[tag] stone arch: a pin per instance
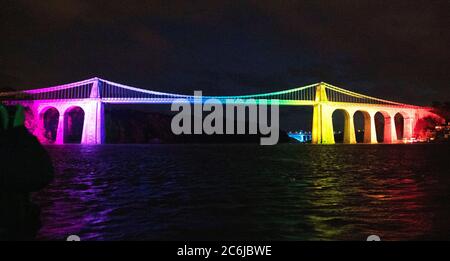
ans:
(31, 119)
(403, 125)
(367, 125)
(74, 117)
(348, 128)
(387, 128)
(48, 124)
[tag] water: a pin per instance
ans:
(248, 192)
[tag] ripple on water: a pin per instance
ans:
(286, 192)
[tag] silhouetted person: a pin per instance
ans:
(25, 167)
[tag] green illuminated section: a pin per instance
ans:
(264, 94)
(269, 102)
(3, 117)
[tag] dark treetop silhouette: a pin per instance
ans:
(25, 168)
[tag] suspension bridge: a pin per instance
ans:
(91, 95)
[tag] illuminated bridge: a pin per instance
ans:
(91, 95)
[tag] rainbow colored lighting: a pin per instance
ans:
(91, 95)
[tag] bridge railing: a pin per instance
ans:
(336, 94)
(116, 92)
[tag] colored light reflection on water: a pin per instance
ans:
(284, 192)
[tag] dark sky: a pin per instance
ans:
(396, 50)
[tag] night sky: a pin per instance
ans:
(396, 50)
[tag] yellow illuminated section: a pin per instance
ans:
(322, 130)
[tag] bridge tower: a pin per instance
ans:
(94, 122)
(322, 129)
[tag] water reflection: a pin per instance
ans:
(247, 192)
(380, 197)
(76, 193)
